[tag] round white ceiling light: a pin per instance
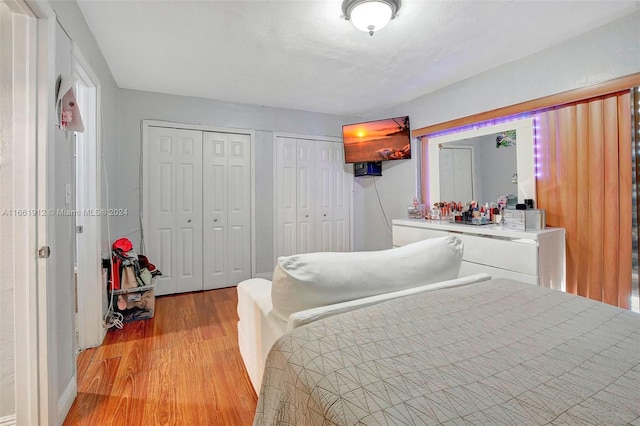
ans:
(370, 15)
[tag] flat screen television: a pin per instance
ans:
(380, 140)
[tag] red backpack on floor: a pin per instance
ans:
(120, 249)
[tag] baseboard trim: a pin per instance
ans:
(66, 399)
(9, 420)
(265, 275)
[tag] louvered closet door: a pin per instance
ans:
(174, 238)
(226, 207)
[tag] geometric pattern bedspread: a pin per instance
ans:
(497, 352)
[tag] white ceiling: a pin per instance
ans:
(302, 54)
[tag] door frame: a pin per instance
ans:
(90, 289)
(333, 139)
(33, 384)
(144, 161)
(25, 144)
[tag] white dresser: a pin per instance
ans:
(535, 257)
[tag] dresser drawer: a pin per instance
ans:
(513, 255)
(469, 268)
(403, 235)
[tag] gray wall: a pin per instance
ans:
(604, 54)
(61, 238)
(61, 230)
(493, 168)
(496, 167)
(72, 20)
(379, 200)
(135, 106)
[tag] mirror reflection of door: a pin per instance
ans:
(492, 173)
(456, 174)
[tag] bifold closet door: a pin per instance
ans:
(342, 178)
(174, 240)
(296, 210)
(312, 203)
(306, 197)
(226, 209)
(325, 190)
(331, 198)
(286, 207)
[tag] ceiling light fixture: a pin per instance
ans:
(370, 15)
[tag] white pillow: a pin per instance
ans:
(305, 281)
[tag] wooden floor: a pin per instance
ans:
(182, 367)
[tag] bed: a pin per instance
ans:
(308, 287)
(491, 352)
(259, 327)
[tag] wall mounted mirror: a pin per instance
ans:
(482, 163)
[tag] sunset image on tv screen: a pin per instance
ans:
(377, 140)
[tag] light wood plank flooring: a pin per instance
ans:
(182, 367)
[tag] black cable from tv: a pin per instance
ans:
(386, 221)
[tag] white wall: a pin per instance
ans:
(135, 106)
(72, 27)
(601, 55)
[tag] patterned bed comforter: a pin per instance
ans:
(498, 352)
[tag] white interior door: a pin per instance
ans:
(341, 200)
(312, 197)
(214, 194)
(226, 207)
(30, 350)
(175, 208)
(285, 200)
(305, 212)
(20, 321)
(446, 175)
(456, 175)
(324, 195)
(239, 209)
(462, 176)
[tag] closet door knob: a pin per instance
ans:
(325, 215)
(215, 220)
(188, 220)
(306, 215)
